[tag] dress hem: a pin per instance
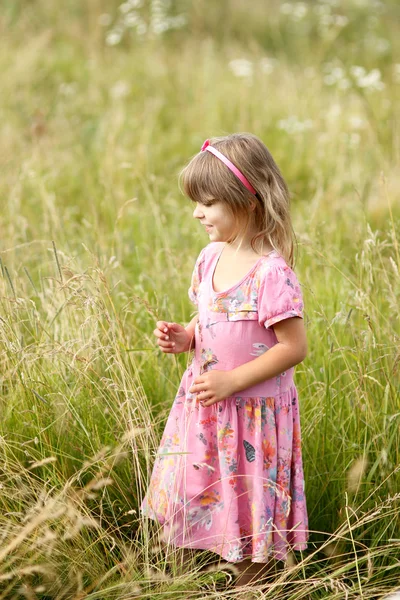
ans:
(279, 555)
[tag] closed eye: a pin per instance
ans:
(209, 202)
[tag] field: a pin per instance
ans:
(101, 105)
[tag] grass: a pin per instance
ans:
(97, 243)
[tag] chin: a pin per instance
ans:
(215, 235)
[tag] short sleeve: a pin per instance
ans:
(279, 296)
(196, 278)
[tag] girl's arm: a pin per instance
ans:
(290, 350)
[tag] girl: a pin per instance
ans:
(228, 476)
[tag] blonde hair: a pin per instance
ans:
(206, 180)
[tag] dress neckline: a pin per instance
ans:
(234, 286)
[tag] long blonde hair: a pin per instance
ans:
(206, 179)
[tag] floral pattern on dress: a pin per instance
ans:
(208, 360)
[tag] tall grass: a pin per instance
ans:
(97, 243)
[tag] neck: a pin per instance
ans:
(243, 245)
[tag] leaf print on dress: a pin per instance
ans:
(180, 394)
(202, 438)
(209, 504)
(278, 378)
(250, 451)
(259, 349)
(209, 327)
(224, 436)
(269, 452)
(208, 360)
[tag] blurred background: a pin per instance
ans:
(101, 104)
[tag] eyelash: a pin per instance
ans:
(208, 203)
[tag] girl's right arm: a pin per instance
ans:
(172, 338)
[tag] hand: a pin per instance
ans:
(212, 387)
(172, 337)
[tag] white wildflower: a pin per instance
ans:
(178, 21)
(268, 65)
(293, 125)
(340, 20)
(335, 75)
(357, 71)
(132, 19)
(125, 7)
(371, 80)
(113, 38)
(297, 10)
(300, 10)
(158, 25)
(67, 89)
(356, 122)
(241, 67)
(120, 89)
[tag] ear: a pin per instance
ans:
(252, 206)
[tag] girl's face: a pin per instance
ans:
(217, 220)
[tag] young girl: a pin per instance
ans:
(228, 475)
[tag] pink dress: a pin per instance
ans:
(229, 477)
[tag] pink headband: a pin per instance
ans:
(231, 166)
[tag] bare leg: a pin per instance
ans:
(252, 573)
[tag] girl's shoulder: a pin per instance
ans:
(210, 251)
(272, 260)
(274, 265)
(213, 248)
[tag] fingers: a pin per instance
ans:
(208, 402)
(163, 339)
(162, 326)
(166, 346)
(198, 387)
(202, 392)
(204, 396)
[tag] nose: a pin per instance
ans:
(198, 213)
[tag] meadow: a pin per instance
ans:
(101, 105)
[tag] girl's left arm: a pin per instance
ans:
(290, 350)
